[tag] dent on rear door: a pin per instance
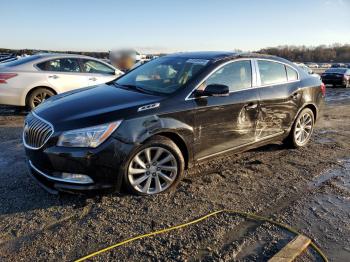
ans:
(278, 106)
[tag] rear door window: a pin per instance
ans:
(236, 75)
(272, 72)
(60, 65)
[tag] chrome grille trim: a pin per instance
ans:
(37, 131)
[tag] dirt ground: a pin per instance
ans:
(308, 189)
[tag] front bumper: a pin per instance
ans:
(104, 165)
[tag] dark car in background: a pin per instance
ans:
(338, 65)
(337, 77)
(144, 129)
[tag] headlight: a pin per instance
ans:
(87, 137)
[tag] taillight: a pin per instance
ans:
(323, 89)
(6, 76)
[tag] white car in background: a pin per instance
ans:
(326, 65)
(312, 65)
(30, 80)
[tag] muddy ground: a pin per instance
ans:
(308, 189)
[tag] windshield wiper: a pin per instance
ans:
(137, 88)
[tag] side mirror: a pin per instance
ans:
(213, 90)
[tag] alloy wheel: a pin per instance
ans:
(40, 97)
(152, 170)
(303, 128)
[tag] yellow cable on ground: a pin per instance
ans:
(247, 215)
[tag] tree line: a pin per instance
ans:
(334, 53)
(319, 54)
(33, 51)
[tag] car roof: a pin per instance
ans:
(224, 55)
(48, 55)
(28, 61)
(209, 55)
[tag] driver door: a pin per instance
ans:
(227, 122)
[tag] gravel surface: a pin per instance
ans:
(308, 189)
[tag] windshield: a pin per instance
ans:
(163, 75)
(336, 70)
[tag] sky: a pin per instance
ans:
(172, 25)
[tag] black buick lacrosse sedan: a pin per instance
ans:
(141, 131)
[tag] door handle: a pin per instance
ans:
(93, 78)
(251, 106)
(54, 76)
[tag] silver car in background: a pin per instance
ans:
(308, 70)
(29, 81)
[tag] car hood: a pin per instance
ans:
(92, 106)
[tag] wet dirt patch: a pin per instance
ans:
(325, 213)
(337, 95)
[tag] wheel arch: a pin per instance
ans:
(313, 109)
(179, 141)
(35, 88)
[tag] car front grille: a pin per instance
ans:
(36, 131)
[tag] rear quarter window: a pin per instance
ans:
(272, 72)
(292, 74)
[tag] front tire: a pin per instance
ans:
(155, 167)
(302, 129)
(38, 96)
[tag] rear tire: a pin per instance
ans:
(155, 167)
(302, 129)
(38, 96)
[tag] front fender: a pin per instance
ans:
(138, 130)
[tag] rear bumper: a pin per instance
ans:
(333, 81)
(10, 96)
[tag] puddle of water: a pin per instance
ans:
(337, 94)
(343, 169)
(254, 249)
(325, 131)
(325, 140)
